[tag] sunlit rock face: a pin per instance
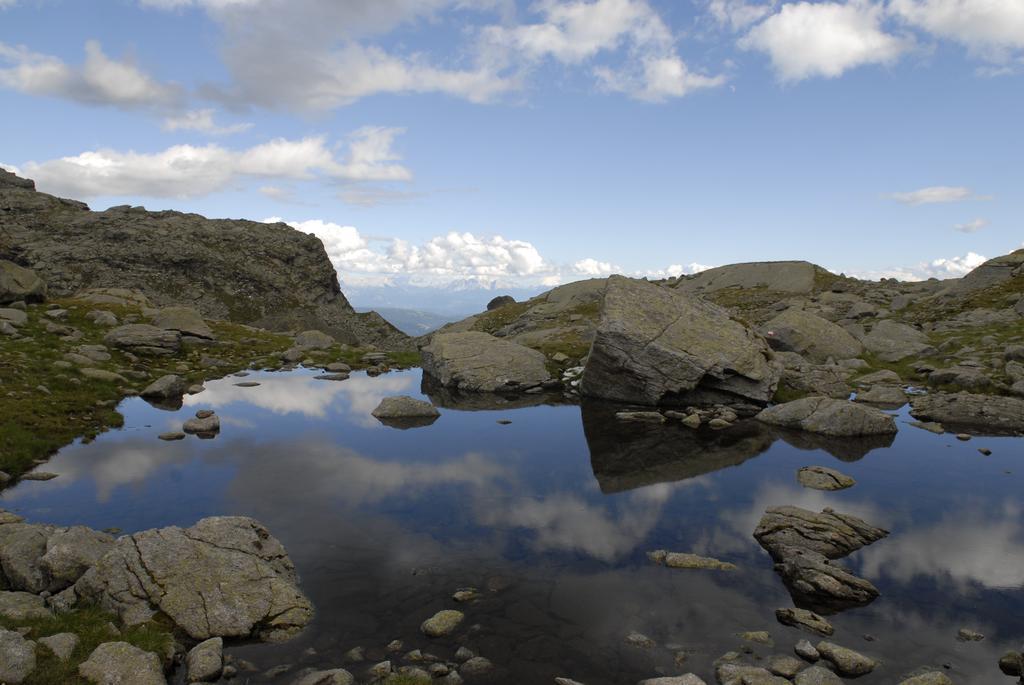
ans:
(657, 345)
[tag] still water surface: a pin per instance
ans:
(555, 512)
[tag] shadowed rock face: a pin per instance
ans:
(655, 345)
(628, 455)
(266, 275)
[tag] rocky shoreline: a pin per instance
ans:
(727, 357)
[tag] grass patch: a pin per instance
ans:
(93, 627)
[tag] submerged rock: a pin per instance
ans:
(846, 661)
(803, 543)
(226, 576)
(656, 345)
(929, 678)
(478, 362)
(442, 623)
(688, 561)
(826, 416)
(803, 618)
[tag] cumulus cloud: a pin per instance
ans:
(943, 267)
(100, 80)
(573, 33)
(825, 39)
(936, 195)
(202, 120)
(189, 171)
(454, 257)
(971, 226)
(992, 29)
(739, 14)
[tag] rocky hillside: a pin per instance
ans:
(265, 275)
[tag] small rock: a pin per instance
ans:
(170, 437)
(985, 451)
(478, 665)
(463, 654)
(761, 637)
(686, 560)
(354, 655)
(968, 635)
(61, 644)
(336, 676)
(17, 657)
(817, 675)
(1012, 664)
(119, 662)
(846, 661)
(640, 416)
(442, 623)
(640, 640)
(247, 384)
(688, 679)
(404, 407)
(718, 424)
(806, 651)
(206, 660)
(822, 478)
(206, 426)
(804, 619)
(466, 594)
(165, 388)
(38, 475)
(964, 437)
(929, 678)
(785, 666)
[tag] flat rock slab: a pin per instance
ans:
(802, 618)
(823, 478)
(404, 407)
(226, 576)
(113, 663)
(686, 560)
(656, 345)
(978, 413)
(478, 362)
(185, 320)
(826, 416)
(846, 661)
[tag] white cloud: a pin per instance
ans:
(453, 257)
(739, 14)
(993, 29)
(188, 171)
(202, 120)
(937, 194)
(971, 226)
(807, 39)
(577, 31)
(943, 267)
(99, 81)
(4, 4)
(11, 168)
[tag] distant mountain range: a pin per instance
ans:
(451, 302)
(412, 322)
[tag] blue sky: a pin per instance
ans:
(439, 142)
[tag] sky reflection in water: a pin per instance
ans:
(384, 524)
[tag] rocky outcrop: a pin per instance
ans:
(787, 277)
(827, 416)
(223, 577)
(18, 283)
(658, 346)
(803, 543)
(972, 413)
(477, 362)
(39, 558)
(992, 273)
(267, 275)
(892, 341)
(811, 336)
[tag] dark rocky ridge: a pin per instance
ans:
(266, 275)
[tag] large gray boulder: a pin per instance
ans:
(804, 378)
(225, 576)
(656, 345)
(167, 387)
(37, 558)
(143, 338)
(981, 413)
(478, 362)
(184, 320)
(17, 657)
(19, 283)
(21, 606)
(892, 341)
(818, 339)
(827, 416)
(788, 277)
(120, 663)
(804, 544)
